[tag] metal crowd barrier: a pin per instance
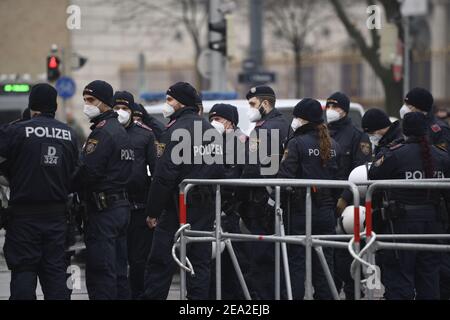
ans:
(184, 235)
(374, 245)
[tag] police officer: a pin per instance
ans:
(141, 115)
(310, 154)
(184, 133)
(356, 151)
(270, 128)
(438, 131)
(421, 100)
(225, 119)
(382, 132)
(41, 154)
(409, 274)
(139, 235)
(106, 167)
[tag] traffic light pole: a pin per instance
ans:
(218, 61)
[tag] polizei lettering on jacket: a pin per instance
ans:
(45, 132)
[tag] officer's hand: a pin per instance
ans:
(152, 223)
(340, 207)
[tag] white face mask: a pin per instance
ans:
(124, 116)
(91, 111)
(168, 110)
(404, 111)
(375, 139)
(254, 115)
(296, 124)
(219, 126)
(333, 116)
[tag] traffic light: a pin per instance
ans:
(53, 65)
(226, 43)
(219, 45)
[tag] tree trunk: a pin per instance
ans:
(198, 77)
(298, 73)
(393, 95)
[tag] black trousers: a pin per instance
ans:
(106, 254)
(139, 243)
(160, 265)
(35, 247)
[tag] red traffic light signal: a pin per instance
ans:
(53, 72)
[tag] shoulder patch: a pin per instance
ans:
(160, 147)
(243, 138)
(260, 124)
(365, 148)
(253, 145)
(90, 146)
(140, 124)
(436, 128)
(101, 124)
(171, 123)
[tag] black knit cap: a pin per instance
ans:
(340, 100)
(101, 90)
(226, 111)
(310, 110)
(415, 124)
(137, 110)
(375, 119)
(123, 98)
(261, 91)
(420, 98)
(185, 94)
(43, 98)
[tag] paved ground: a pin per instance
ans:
(81, 293)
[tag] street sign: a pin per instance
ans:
(66, 87)
(257, 77)
(412, 8)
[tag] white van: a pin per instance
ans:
(286, 107)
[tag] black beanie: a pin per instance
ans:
(184, 93)
(43, 98)
(101, 90)
(415, 124)
(225, 111)
(310, 110)
(340, 100)
(375, 119)
(123, 98)
(137, 110)
(420, 98)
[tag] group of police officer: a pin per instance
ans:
(131, 165)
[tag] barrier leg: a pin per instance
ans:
(287, 274)
(182, 271)
(326, 270)
(277, 245)
(218, 244)
(308, 253)
(183, 221)
(237, 268)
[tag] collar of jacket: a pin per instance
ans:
(394, 133)
(272, 114)
(179, 113)
(307, 128)
(105, 115)
(413, 139)
(346, 121)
